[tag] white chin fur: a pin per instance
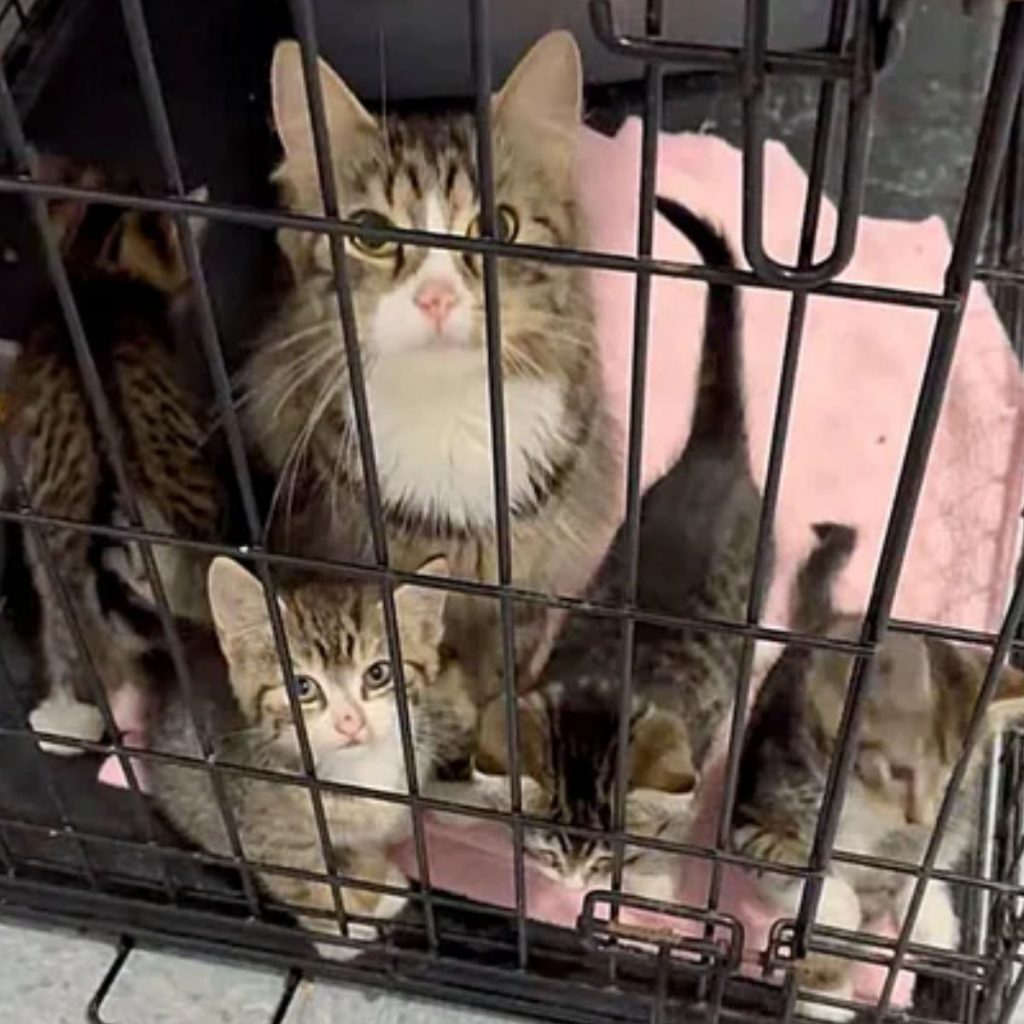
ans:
(431, 425)
(68, 717)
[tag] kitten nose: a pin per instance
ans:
(436, 298)
(350, 725)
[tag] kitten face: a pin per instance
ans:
(915, 720)
(421, 173)
(344, 679)
(569, 747)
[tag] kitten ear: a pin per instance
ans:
(541, 102)
(237, 601)
(492, 740)
(660, 754)
(344, 113)
(422, 608)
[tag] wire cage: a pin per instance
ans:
(69, 855)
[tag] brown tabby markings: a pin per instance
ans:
(915, 723)
(334, 630)
(124, 269)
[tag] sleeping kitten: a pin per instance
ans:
(420, 315)
(697, 535)
(913, 730)
(127, 273)
(344, 683)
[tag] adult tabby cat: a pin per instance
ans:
(420, 314)
(336, 638)
(126, 272)
(914, 727)
(697, 534)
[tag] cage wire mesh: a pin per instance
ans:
(51, 867)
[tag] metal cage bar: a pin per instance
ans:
(480, 21)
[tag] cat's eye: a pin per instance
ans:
(377, 677)
(375, 248)
(506, 226)
(601, 866)
(548, 858)
(307, 689)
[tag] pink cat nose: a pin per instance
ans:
(436, 298)
(350, 725)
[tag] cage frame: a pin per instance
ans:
(851, 59)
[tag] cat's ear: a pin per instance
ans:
(422, 608)
(660, 754)
(541, 102)
(492, 740)
(66, 215)
(147, 245)
(237, 600)
(345, 115)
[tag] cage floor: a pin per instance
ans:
(212, 58)
(49, 976)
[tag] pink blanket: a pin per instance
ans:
(860, 369)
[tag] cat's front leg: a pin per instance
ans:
(839, 907)
(936, 924)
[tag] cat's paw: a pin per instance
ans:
(828, 977)
(66, 716)
(937, 924)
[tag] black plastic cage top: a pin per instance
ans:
(73, 853)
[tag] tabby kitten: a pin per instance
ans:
(344, 683)
(420, 315)
(697, 536)
(915, 722)
(127, 274)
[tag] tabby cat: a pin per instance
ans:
(344, 684)
(420, 314)
(697, 535)
(913, 730)
(127, 274)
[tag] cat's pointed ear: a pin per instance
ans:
(237, 600)
(541, 102)
(345, 115)
(660, 754)
(422, 608)
(492, 741)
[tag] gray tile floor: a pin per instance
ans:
(47, 977)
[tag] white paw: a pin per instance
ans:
(937, 923)
(824, 1011)
(657, 882)
(819, 1011)
(391, 904)
(67, 717)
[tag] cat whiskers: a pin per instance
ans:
(299, 448)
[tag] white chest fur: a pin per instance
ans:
(430, 416)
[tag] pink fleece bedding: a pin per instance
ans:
(860, 369)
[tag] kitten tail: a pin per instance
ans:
(718, 408)
(811, 605)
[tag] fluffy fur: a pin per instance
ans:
(338, 647)
(697, 534)
(127, 273)
(424, 359)
(913, 730)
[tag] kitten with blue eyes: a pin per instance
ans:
(421, 326)
(346, 691)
